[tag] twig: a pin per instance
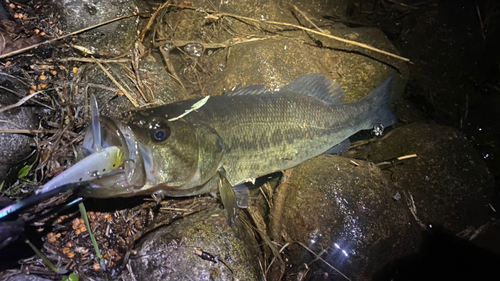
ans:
(92, 60)
(20, 96)
(127, 94)
(269, 204)
(27, 131)
(363, 142)
(11, 123)
(405, 5)
(20, 102)
(267, 241)
(480, 230)
(165, 49)
(318, 257)
(78, 138)
(480, 21)
(152, 19)
(174, 209)
(394, 161)
(275, 225)
(217, 45)
(413, 209)
(131, 273)
(274, 258)
(407, 156)
(22, 50)
(310, 21)
(262, 269)
(14, 77)
(136, 56)
(365, 46)
(131, 75)
(135, 78)
(464, 117)
(321, 259)
(170, 66)
(323, 34)
(492, 208)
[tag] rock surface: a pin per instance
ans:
(168, 253)
(449, 181)
(154, 77)
(15, 149)
(108, 40)
(248, 55)
(328, 203)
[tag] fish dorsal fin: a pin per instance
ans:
(318, 86)
(249, 90)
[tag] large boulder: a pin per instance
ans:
(170, 253)
(349, 210)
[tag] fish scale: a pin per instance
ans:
(273, 132)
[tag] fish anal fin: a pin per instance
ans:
(242, 195)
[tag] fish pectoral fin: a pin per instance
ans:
(342, 147)
(228, 197)
(242, 195)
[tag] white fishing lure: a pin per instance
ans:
(91, 167)
(102, 161)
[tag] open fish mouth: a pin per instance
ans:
(131, 174)
(110, 158)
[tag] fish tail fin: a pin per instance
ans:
(379, 109)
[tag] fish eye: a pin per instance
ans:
(160, 134)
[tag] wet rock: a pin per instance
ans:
(228, 60)
(317, 9)
(328, 203)
(449, 181)
(15, 149)
(156, 82)
(111, 39)
(444, 257)
(168, 253)
(277, 62)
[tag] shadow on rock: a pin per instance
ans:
(449, 182)
(444, 257)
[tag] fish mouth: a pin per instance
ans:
(111, 160)
(128, 178)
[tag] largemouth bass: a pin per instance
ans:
(196, 146)
(248, 132)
